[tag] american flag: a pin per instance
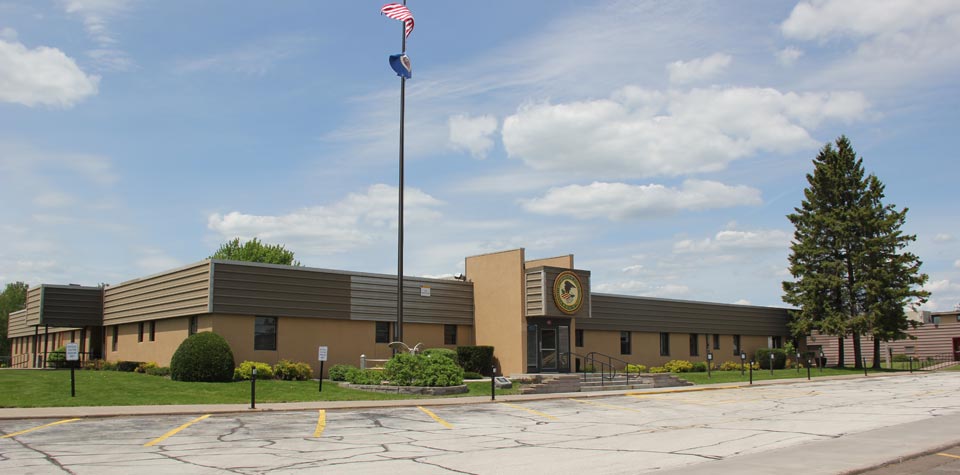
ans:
(401, 13)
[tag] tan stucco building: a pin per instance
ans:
(539, 315)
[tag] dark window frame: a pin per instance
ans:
(626, 343)
(263, 339)
(736, 345)
(578, 338)
(153, 330)
(449, 334)
(664, 344)
(115, 337)
(382, 332)
(716, 341)
(694, 344)
(139, 332)
(192, 325)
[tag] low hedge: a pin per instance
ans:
(290, 371)
(405, 369)
(779, 358)
(244, 372)
(339, 372)
(365, 376)
(128, 366)
(478, 359)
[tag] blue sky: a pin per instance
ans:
(662, 143)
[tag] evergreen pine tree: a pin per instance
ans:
(851, 276)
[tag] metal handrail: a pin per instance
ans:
(610, 359)
(603, 372)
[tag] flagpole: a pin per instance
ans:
(403, 86)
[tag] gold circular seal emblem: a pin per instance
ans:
(568, 292)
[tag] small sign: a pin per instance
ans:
(502, 382)
(73, 352)
(322, 354)
(710, 356)
(424, 291)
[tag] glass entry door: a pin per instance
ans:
(548, 341)
(548, 349)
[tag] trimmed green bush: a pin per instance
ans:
(339, 372)
(58, 358)
(128, 366)
(159, 371)
(658, 369)
(636, 368)
(478, 359)
(204, 356)
(699, 367)
(472, 375)
(244, 372)
(447, 352)
(290, 371)
(779, 358)
(143, 367)
(365, 376)
(405, 369)
(679, 366)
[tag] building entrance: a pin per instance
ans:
(956, 349)
(548, 345)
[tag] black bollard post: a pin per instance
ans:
(772, 356)
(751, 372)
(493, 383)
(864, 360)
(253, 389)
(73, 382)
(808, 370)
(743, 360)
(321, 377)
(911, 364)
(798, 363)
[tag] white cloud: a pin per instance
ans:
(742, 302)
(256, 58)
(354, 221)
(637, 287)
(943, 237)
(633, 269)
(696, 70)
(620, 201)
(641, 133)
(473, 134)
(956, 263)
(42, 76)
(897, 42)
(789, 55)
(96, 15)
(8, 34)
(732, 239)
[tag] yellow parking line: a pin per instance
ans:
(609, 406)
(532, 411)
(174, 431)
(950, 455)
(321, 423)
(39, 427)
(434, 416)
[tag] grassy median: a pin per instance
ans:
(764, 374)
(51, 388)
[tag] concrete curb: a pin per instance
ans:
(159, 410)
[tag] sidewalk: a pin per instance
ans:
(115, 411)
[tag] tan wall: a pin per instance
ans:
(565, 262)
(498, 306)
(170, 332)
(299, 338)
(646, 347)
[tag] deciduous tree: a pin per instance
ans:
(255, 251)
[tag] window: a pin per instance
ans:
(578, 338)
(664, 344)
(73, 335)
(776, 342)
(192, 326)
(114, 338)
(153, 330)
(716, 341)
(694, 345)
(736, 345)
(265, 334)
(383, 332)
(625, 345)
(449, 334)
(140, 332)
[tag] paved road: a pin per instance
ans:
(808, 427)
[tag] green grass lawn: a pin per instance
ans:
(759, 375)
(51, 388)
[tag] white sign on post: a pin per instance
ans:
(424, 291)
(322, 354)
(73, 352)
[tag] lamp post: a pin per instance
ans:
(709, 363)
(743, 360)
(798, 362)
(821, 361)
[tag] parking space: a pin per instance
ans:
(619, 434)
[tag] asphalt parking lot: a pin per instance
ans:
(813, 427)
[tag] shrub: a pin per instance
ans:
(290, 371)
(244, 372)
(365, 376)
(93, 364)
(730, 366)
(405, 369)
(143, 367)
(108, 366)
(779, 358)
(472, 375)
(478, 359)
(128, 366)
(678, 366)
(58, 357)
(339, 372)
(699, 367)
(158, 371)
(204, 356)
(447, 352)
(636, 368)
(658, 369)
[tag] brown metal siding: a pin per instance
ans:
(245, 289)
(284, 291)
(72, 306)
(626, 313)
(34, 299)
(17, 324)
(534, 293)
(180, 292)
(930, 341)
